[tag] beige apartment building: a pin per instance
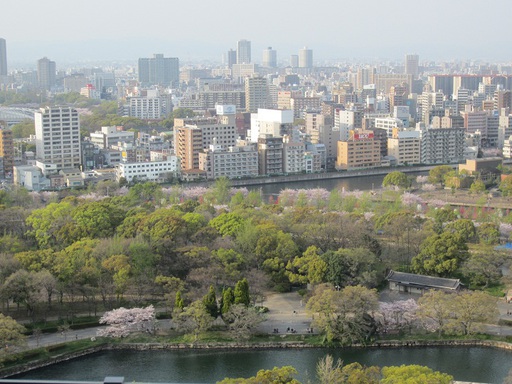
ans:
(192, 136)
(405, 147)
(361, 150)
(233, 162)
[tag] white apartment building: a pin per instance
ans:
(507, 148)
(58, 136)
(270, 122)
(389, 124)
(109, 136)
(150, 107)
(157, 171)
(233, 162)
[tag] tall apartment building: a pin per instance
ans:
(412, 65)
(6, 151)
(192, 136)
(305, 58)
(256, 94)
(58, 137)
(441, 145)
(269, 58)
(271, 122)
(159, 70)
(320, 129)
(293, 155)
(364, 77)
(361, 150)
(3, 58)
(46, 73)
(243, 52)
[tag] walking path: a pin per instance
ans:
(286, 311)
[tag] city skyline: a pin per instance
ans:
(117, 30)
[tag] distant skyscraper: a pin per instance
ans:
(243, 52)
(46, 73)
(159, 70)
(412, 65)
(3, 58)
(270, 58)
(231, 58)
(294, 61)
(305, 58)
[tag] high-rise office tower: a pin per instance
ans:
(243, 52)
(269, 58)
(294, 61)
(3, 58)
(305, 58)
(231, 58)
(159, 70)
(412, 65)
(58, 136)
(256, 94)
(46, 73)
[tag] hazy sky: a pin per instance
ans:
(71, 30)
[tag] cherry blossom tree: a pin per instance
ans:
(410, 199)
(397, 315)
(122, 321)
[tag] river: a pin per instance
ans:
(478, 364)
(362, 183)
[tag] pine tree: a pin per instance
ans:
(242, 292)
(228, 299)
(210, 302)
(178, 302)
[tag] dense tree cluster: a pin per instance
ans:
(190, 249)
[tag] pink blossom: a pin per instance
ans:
(410, 199)
(397, 315)
(421, 179)
(121, 322)
(428, 187)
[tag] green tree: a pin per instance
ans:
(477, 187)
(283, 375)
(437, 175)
(397, 179)
(472, 309)
(344, 315)
(210, 302)
(348, 266)
(179, 304)
(194, 319)
(413, 374)
(97, 219)
(464, 227)
(24, 129)
(228, 224)
(47, 224)
(11, 334)
(308, 268)
(506, 186)
(440, 255)
(485, 267)
(221, 190)
(241, 293)
(21, 287)
(242, 321)
(488, 233)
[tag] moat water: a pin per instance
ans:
(485, 365)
